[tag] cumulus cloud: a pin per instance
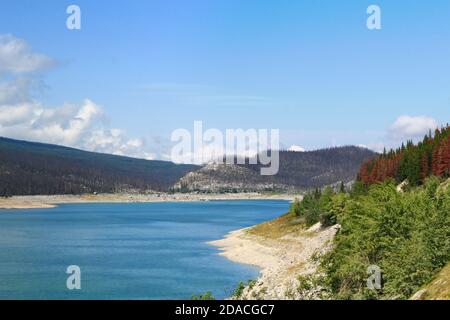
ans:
(296, 148)
(410, 127)
(404, 128)
(17, 57)
(79, 125)
(17, 90)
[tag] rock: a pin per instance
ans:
(315, 228)
(419, 295)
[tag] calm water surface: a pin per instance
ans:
(125, 251)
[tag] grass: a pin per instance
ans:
(439, 288)
(278, 227)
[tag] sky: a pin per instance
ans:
(138, 70)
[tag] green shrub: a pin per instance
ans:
(316, 207)
(239, 290)
(406, 234)
(206, 296)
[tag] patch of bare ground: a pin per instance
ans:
(284, 250)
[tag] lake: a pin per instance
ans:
(125, 251)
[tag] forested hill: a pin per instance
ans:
(297, 170)
(28, 168)
(413, 162)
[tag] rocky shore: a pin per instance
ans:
(282, 260)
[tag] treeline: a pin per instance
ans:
(297, 170)
(411, 162)
(28, 168)
(318, 168)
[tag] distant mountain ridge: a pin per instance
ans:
(298, 171)
(30, 168)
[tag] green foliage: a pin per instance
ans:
(305, 284)
(406, 234)
(251, 283)
(239, 290)
(206, 296)
(359, 189)
(316, 207)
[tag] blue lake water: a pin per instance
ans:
(125, 251)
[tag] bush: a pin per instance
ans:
(316, 207)
(206, 296)
(406, 234)
(239, 290)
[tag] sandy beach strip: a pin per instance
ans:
(44, 201)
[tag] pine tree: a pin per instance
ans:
(425, 167)
(447, 158)
(442, 160)
(435, 161)
(410, 161)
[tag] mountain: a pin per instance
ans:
(298, 171)
(28, 168)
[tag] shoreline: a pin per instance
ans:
(51, 201)
(280, 260)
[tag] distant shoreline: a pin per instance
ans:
(51, 201)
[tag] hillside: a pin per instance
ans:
(438, 289)
(298, 170)
(28, 168)
(413, 162)
(324, 247)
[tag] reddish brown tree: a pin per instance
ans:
(364, 172)
(435, 161)
(444, 157)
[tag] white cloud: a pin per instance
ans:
(410, 127)
(374, 146)
(296, 148)
(75, 125)
(17, 90)
(404, 128)
(17, 57)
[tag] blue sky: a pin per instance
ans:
(310, 68)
